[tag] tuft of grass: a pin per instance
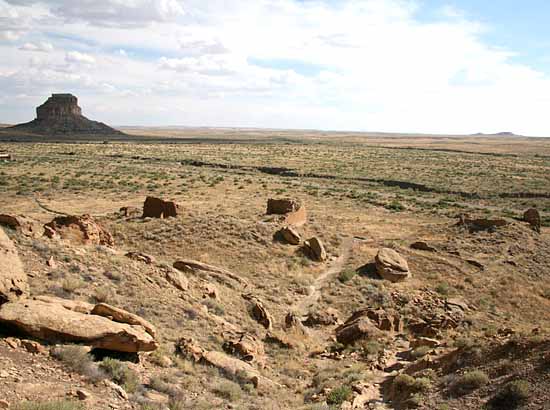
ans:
(227, 390)
(121, 374)
(339, 395)
(78, 359)
(469, 382)
(346, 275)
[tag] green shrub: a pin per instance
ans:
(228, 390)
(469, 382)
(511, 396)
(346, 275)
(339, 395)
(121, 374)
(78, 359)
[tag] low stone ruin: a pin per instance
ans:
(158, 208)
(293, 213)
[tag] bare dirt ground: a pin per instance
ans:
(361, 193)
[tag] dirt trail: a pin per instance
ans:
(314, 292)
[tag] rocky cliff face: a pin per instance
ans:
(59, 106)
(61, 115)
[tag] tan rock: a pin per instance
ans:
(33, 347)
(27, 226)
(81, 230)
(53, 322)
(195, 267)
(357, 327)
(259, 312)
(4, 404)
(13, 280)
(83, 395)
(122, 316)
(391, 266)
(289, 235)
(177, 279)
(325, 317)
(246, 347)
(74, 305)
(130, 211)
(141, 257)
(315, 249)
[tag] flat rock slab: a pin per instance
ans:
(53, 322)
(13, 280)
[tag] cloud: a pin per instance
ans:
(113, 13)
(79, 58)
(353, 64)
(41, 46)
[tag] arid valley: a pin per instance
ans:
(389, 272)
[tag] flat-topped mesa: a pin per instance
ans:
(59, 106)
(61, 115)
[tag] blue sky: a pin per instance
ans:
(432, 66)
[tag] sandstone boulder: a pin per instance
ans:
(532, 217)
(53, 323)
(259, 312)
(158, 208)
(315, 249)
(246, 347)
(385, 319)
(122, 316)
(13, 280)
(227, 364)
(391, 266)
(82, 230)
(289, 235)
(357, 327)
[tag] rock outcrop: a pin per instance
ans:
(13, 280)
(61, 115)
(82, 230)
(391, 266)
(231, 366)
(23, 224)
(481, 224)
(158, 208)
(53, 322)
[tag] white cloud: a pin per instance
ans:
(79, 58)
(353, 64)
(41, 46)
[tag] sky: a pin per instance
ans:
(416, 66)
